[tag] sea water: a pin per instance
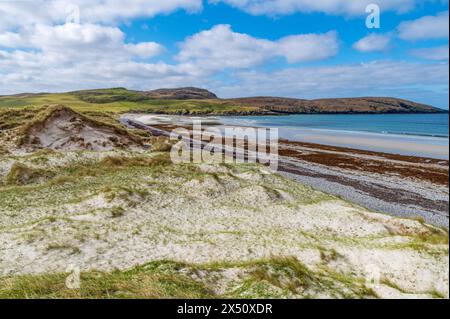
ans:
(407, 134)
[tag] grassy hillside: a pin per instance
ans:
(121, 100)
(176, 101)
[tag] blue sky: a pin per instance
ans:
(295, 48)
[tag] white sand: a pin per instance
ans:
(237, 214)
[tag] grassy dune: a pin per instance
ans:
(232, 230)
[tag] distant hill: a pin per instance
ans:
(196, 101)
(338, 105)
(188, 93)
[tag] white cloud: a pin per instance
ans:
(221, 48)
(110, 10)
(333, 7)
(145, 49)
(78, 41)
(76, 56)
(308, 47)
(438, 53)
(10, 40)
(26, 13)
(425, 28)
(373, 43)
(22, 71)
(71, 36)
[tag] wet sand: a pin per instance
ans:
(406, 145)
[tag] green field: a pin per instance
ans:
(122, 100)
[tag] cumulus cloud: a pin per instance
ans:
(26, 13)
(145, 49)
(373, 43)
(24, 71)
(10, 40)
(75, 56)
(70, 56)
(78, 42)
(440, 53)
(334, 7)
(425, 28)
(220, 48)
(308, 47)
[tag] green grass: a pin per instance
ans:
(135, 283)
(121, 101)
(23, 175)
(273, 278)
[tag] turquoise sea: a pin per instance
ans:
(408, 134)
(433, 125)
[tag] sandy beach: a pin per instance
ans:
(404, 145)
(399, 185)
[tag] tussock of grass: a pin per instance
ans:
(290, 275)
(434, 236)
(20, 174)
(286, 273)
(117, 212)
(329, 255)
(63, 179)
(12, 118)
(122, 161)
(73, 249)
(433, 293)
(3, 151)
(161, 144)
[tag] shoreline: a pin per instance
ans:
(397, 185)
(394, 143)
(411, 144)
(403, 186)
(275, 113)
